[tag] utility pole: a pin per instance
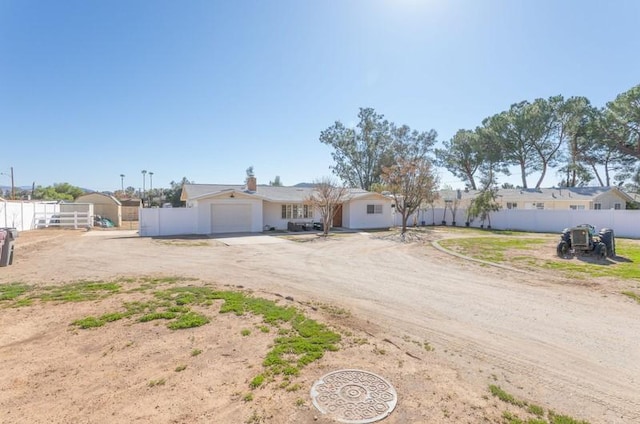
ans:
(13, 186)
(122, 183)
(150, 188)
(144, 182)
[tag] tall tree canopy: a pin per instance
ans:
(624, 115)
(359, 153)
(513, 131)
(60, 191)
(463, 156)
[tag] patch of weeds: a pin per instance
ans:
(563, 419)
(511, 418)
(196, 352)
(248, 397)
(299, 402)
(188, 320)
(535, 409)
(79, 292)
(360, 341)
(284, 384)
(293, 388)
(379, 351)
(22, 302)
(264, 329)
(159, 382)
(13, 290)
(632, 295)
(255, 418)
(257, 381)
(428, 347)
(245, 332)
(504, 396)
(180, 368)
(157, 315)
(89, 322)
(492, 249)
(113, 316)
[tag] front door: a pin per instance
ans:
(337, 216)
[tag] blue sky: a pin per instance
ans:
(90, 90)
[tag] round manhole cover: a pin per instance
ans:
(354, 396)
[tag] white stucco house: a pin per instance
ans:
(254, 208)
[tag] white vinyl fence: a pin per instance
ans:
(168, 221)
(28, 215)
(623, 222)
(182, 221)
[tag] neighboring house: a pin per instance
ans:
(254, 208)
(104, 205)
(567, 198)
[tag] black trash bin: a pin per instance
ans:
(6, 256)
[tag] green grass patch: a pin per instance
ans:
(512, 249)
(13, 290)
(79, 292)
(245, 332)
(564, 419)
(180, 368)
(492, 249)
(257, 381)
(196, 352)
(188, 320)
(511, 418)
(89, 322)
(302, 342)
(157, 315)
(504, 396)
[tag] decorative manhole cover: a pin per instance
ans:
(354, 396)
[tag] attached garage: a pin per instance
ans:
(231, 217)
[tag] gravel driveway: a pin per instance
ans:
(571, 347)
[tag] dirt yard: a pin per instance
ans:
(439, 328)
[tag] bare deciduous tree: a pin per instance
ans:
(412, 183)
(326, 197)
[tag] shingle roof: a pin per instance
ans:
(267, 192)
(542, 194)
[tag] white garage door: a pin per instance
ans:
(230, 218)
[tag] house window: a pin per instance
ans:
(597, 206)
(512, 205)
(576, 207)
(371, 209)
(538, 206)
(617, 206)
(297, 211)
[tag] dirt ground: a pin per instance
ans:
(439, 328)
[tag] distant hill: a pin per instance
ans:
(305, 185)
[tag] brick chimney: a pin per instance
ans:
(252, 183)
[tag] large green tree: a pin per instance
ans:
(514, 132)
(174, 193)
(463, 156)
(59, 191)
(359, 153)
(623, 114)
